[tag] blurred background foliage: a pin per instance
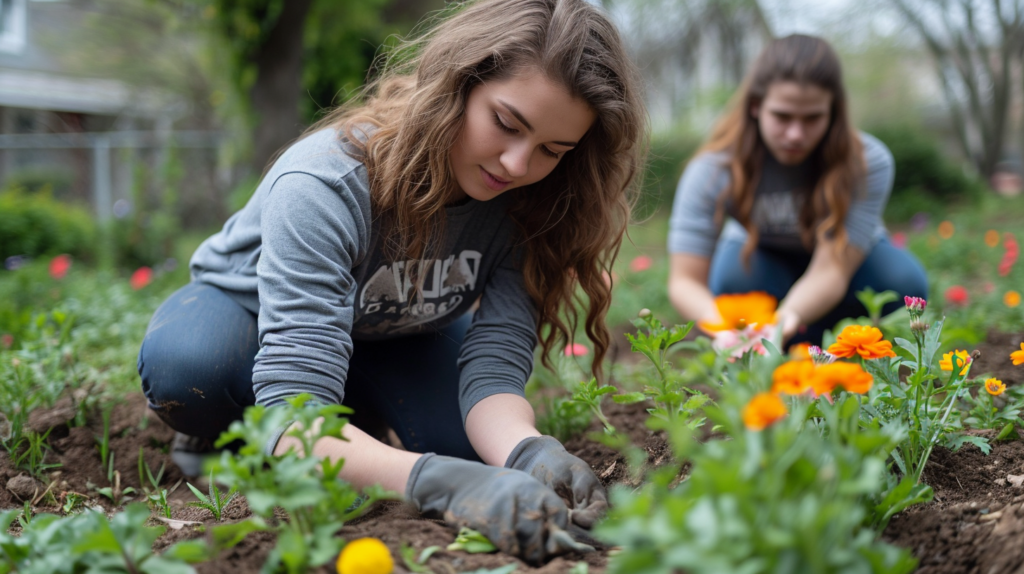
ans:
(260, 71)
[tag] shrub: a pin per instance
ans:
(35, 224)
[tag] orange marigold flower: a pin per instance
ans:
(849, 376)
(946, 364)
(763, 410)
(991, 238)
(800, 351)
(946, 229)
(1011, 298)
(739, 311)
(793, 377)
(994, 387)
(861, 340)
(1018, 356)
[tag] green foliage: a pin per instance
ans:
(216, 501)
(471, 541)
(89, 542)
(668, 156)
(36, 225)
(925, 180)
(563, 418)
(303, 486)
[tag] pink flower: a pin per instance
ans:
(738, 341)
(59, 266)
(6, 340)
(899, 239)
(988, 287)
(957, 295)
(141, 278)
(915, 303)
(640, 263)
(576, 350)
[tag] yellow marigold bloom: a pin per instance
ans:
(763, 410)
(793, 377)
(994, 387)
(365, 556)
(739, 311)
(849, 376)
(1018, 356)
(946, 364)
(946, 229)
(800, 351)
(991, 238)
(861, 340)
(1011, 298)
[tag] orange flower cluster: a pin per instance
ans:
(1018, 356)
(863, 341)
(798, 377)
(763, 410)
(994, 387)
(964, 359)
(739, 311)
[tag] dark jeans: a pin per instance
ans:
(775, 272)
(197, 358)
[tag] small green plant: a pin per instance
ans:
(588, 393)
(103, 445)
(73, 503)
(114, 492)
(416, 563)
(874, 302)
(563, 417)
(471, 541)
(216, 501)
(25, 518)
(303, 486)
(29, 454)
(982, 411)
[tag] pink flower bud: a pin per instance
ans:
(576, 350)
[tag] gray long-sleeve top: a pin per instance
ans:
(305, 253)
(693, 229)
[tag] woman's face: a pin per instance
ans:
(793, 118)
(516, 130)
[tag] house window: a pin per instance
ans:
(13, 15)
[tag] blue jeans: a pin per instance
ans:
(775, 272)
(197, 358)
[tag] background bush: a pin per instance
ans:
(668, 156)
(35, 224)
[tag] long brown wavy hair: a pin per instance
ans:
(838, 160)
(572, 222)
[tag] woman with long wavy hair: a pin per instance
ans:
(803, 194)
(405, 256)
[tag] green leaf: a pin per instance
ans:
(958, 441)
(506, 569)
(471, 541)
(629, 398)
(228, 535)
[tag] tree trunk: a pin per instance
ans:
(278, 87)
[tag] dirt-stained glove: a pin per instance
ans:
(517, 513)
(547, 460)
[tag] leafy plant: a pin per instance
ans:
(29, 454)
(471, 541)
(416, 563)
(299, 484)
(216, 501)
(588, 393)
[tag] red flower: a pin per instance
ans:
(59, 266)
(576, 350)
(640, 263)
(899, 239)
(7, 340)
(141, 278)
(957, 295)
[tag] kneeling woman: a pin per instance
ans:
(804, 194)
(498, 166)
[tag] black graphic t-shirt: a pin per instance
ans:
(306, 254)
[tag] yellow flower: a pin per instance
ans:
(946, 364)
(946, 229)
(1011, 298)
(763, 410)
(1018, 356)
(850, 376)
(863, 341)
(793, 377)
(994, 387)
(739, 311)
(991, 238)
(365, 556)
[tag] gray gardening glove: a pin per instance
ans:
(547, 460)
(519, 515)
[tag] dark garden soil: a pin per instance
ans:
(975, 524)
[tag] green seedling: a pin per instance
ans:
(874, 302)
(29, 454)
(216, 501)
(146, 478)
(471, 541)
(25, 518)
(103, 444)
(415, 563)
(114, 492)
(590, 394)
(73, 503)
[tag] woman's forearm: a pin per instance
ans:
(367, 460)
(692, 299)
(498, 423)
(815, 294)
